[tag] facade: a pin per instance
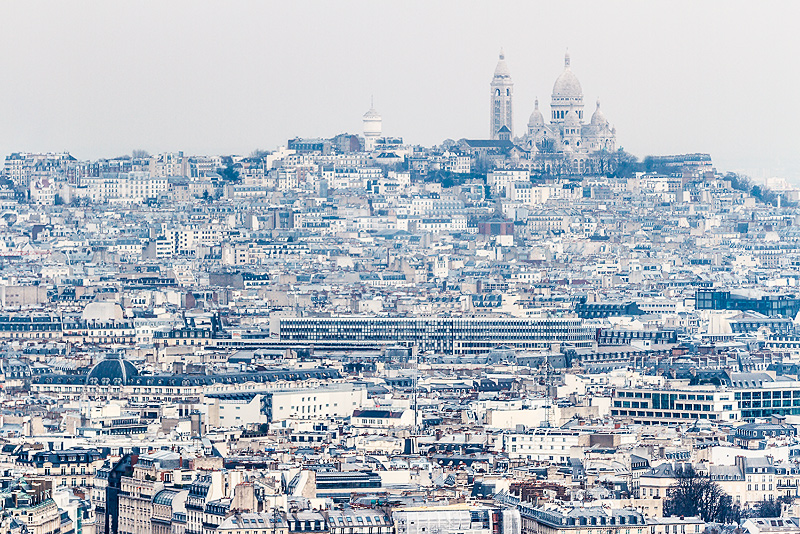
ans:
(374, 419)
(450, 335)
(116, 377)
(168, 508)
(141, 497)
(755, 435)
(356, 521)
(456, 519)
(71, 467)
(675, 406)
(676, 525)
(234, 409)
(253, 523)
(132, 187)
(558, 520)
(741, 397)
(769, 305)
(552, 445)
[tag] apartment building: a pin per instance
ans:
(239, 409)
(740, 397)
(581, 520)
(452, 335)
(455, 519)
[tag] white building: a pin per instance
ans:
(134, 187)
(372, 128)
(456, 519)
(238, 409)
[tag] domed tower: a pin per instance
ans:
(536, 122)
(602, 136)
(372, 128)
(114, 370)
(501, 97)
(567, 95)
(598, 117)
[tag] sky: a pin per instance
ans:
(100, 79)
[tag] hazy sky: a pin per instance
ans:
(102, 78)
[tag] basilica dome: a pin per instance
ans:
(536, 119)
(113, 370)
(598, 118)
(567, 84)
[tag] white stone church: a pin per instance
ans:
(566, 144)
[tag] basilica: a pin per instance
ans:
(567, 144)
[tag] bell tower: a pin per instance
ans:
(501, 97)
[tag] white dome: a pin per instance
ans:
(598, 118)
(501, 70)
(567, 84)
(372, 115)
(536, 117)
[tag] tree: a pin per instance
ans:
(739, 182)
(693, 494)
(206, 196)
(625, 165)
(140, 154)
(259, 153)
(761, 193)
(57, 200)
(769, 507)
(228, 172)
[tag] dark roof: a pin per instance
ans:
(112, 370)
(164, 497)
(378, 414)
(201, 380)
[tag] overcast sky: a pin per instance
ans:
(100, 79)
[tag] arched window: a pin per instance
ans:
(508, 92)
(497, 92)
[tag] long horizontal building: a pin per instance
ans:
(722, 397)
(116, 377)
(451, 335)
